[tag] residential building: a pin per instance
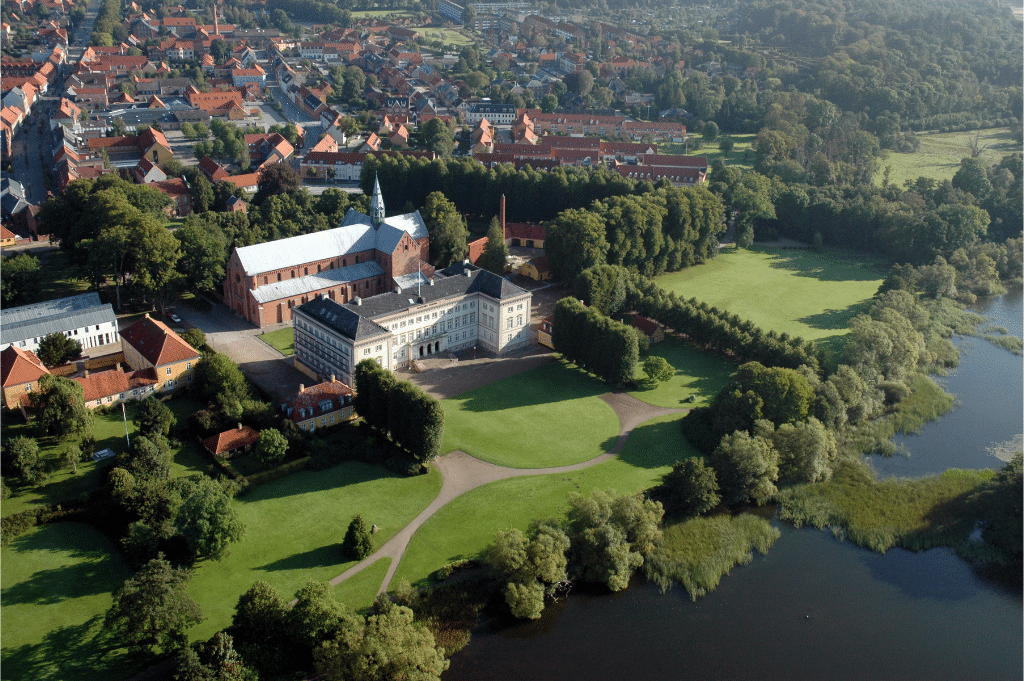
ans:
(20, 371)
(497, 114)
(230, 442)
(320, 406)
(115, 385)
(150, 344)
(82, 318)
(461, 307)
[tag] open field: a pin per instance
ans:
(58, 582)
(466, 525)
(282, 340)
(293, 531)
(109, 431)
(940, 154)
(799, 292)
(549, 416)
(697, 373)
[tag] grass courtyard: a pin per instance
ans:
(58, 582)
(466, 525)
(940, 154)
(294, 527)
(701, 374)
(282, 340)
(799, 292)
(549, 416)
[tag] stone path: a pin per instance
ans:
(461, 473)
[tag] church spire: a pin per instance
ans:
(376, 205)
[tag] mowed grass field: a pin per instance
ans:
(741, 156)
(58, 582)
(293, 531)
(940, 154)
(549, 416)
(466, 525)
(698, 373)
(799, 292)
(445, 35)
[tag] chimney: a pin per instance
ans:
(502, 217)
(239, 426)
(86, 373)
(302, 388)
(333, 379)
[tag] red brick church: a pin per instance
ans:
(364, 256)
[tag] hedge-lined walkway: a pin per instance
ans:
(462, 473)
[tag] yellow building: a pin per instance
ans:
(544, 332)
(320, 406)
(149, 343)
(20, 371)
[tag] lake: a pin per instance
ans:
(813, 608)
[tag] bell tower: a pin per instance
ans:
(376, 205)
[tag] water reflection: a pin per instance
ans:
(988, 386)
(813, 608)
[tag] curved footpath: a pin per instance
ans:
(461, 473)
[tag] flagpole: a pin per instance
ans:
(124, 413)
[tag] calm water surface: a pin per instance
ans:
(988, 386)
(813, 608)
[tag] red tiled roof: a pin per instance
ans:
(306, 404)
(231, 439)
(102, 384)
(523, 230)
(157, 343)
(20, 366)
(647, 326)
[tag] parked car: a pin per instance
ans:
(173, 317)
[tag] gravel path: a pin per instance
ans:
(462, 473)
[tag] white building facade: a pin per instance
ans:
(462, 307)
(82, 318)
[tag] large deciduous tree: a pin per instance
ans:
(257, 625)
(447, 229)
(575, 241)
(153, 417)
(19, 279)
(153, 608)
(206, 519)
(690, 488)
(747, 468)
(62, 410)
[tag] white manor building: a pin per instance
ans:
(82, 318)
(462, 307)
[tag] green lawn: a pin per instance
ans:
(294, 527)
(466, 525)
(359, 591)
(445, 35)
(697, 373)
(282, 340)
(741, 156)
(57, 586)
(549, 416)
(940, 154)
(109, 431)
(799, 292)
(54, 280)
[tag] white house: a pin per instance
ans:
(82, 318)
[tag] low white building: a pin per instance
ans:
(496, 114)
(82, 318)
(462, 307)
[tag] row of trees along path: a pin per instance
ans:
(461, 473)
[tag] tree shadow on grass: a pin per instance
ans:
(554, 382)
(309, 482)
(71, 652)
(308, 560)
(657, 443)
(828, 266)
(836, 319)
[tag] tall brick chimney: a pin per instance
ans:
(503, 236)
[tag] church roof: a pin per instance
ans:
(354, 235)
(290, 288)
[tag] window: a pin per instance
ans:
(366, 351)
(279, 276)
(378, 348)
(509, 323)
(519, 320)
(188, 365)
(520, 306)
(168, 371)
